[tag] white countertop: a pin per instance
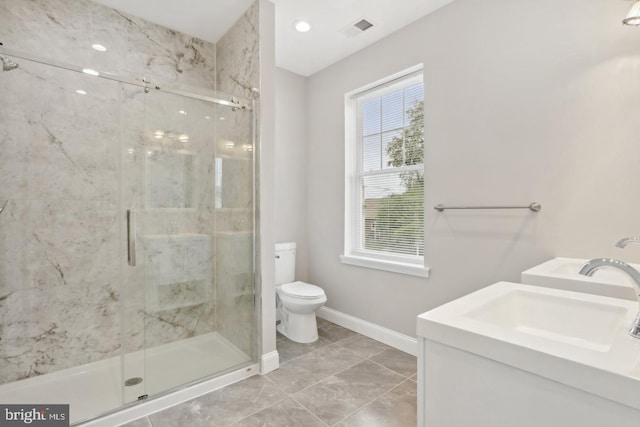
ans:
(577, 339)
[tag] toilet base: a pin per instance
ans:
(301, 328)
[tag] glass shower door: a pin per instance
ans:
(181, 302)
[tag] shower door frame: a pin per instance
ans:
(143, 82)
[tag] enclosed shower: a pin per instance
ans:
(127, 221)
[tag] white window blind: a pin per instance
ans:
(387, 184)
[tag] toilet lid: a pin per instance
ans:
(302, 290)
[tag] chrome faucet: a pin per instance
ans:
(595, 264)
(624, 242)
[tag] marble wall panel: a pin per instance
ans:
(65, 30)
(59, 236)
(67, 313)
(238, 56)
(14, 253)
(238, 73)
(13, 171)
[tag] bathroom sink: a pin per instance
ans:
(585, 324)
(562, 273)
(569, 337)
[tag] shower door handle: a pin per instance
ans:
(131, 237)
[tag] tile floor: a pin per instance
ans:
(344, 379)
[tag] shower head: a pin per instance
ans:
(8, 64)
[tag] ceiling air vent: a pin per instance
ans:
(357, 28)
(363, 25)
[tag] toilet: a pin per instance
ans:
(296, 302)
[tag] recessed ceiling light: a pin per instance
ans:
(90, 71)
(302, 26)
(222, 118)
(184, 113)
(81, 92)
(207, 117)
(99, 47)
(183, 138)
(159, 134)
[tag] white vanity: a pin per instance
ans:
(529, 356)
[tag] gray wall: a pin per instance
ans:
(266, 181)
(524, 101)
(291, 166)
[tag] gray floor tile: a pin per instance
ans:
(397, 408)
(342, 394)
(331, 378)
(287, 413)
(288, 349)
(307, 370)
(140, 422)
(322, 323)
(398, 361)
(221, 407)
(335, 333)
(363, 346)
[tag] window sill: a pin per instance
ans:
(378, 264)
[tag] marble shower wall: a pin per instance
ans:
(63, 271)
(238, 56)
(59, 247)
(238, 74)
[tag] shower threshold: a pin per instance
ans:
(97, 388)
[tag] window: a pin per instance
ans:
(385, 175)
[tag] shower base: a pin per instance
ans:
(98, 388)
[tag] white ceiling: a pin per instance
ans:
(326, 43)
(302, 53)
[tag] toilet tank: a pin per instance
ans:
(285, 262)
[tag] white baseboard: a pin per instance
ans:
(387, 336)
(269, 362)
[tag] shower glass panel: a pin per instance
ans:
(126, 243)
(190, 289)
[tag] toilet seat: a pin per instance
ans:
(302, 290)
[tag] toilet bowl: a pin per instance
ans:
(296, 302)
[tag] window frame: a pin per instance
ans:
(353, 254)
